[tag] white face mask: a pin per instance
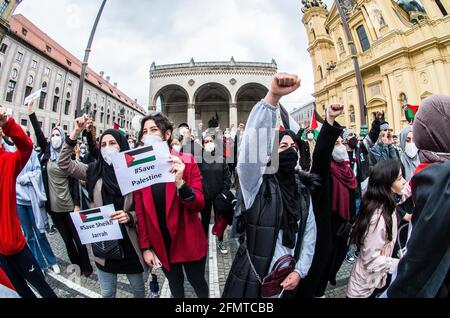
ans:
(108, 153)
(131, 145)
(310, 136)
(182, 131)
(56, 142)
(150, 140)
(340, 153)
(411, 150)
(177, 148)
(210, 147)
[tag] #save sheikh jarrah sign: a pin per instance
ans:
(143, 167)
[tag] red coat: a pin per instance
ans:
(12, 240)
(183, 219)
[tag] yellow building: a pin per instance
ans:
(403, 48)
(7, 8)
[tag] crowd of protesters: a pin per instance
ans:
(300, 198)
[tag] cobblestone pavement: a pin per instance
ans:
(69, 284)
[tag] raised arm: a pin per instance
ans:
(40, 138)
(73, 168)
(20, 139)
(325, 143)
(258, 140)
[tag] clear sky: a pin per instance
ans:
(134, 33)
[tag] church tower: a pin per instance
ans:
(320, 45)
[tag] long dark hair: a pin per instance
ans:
(378, 196)
(161, 121)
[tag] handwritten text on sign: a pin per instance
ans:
(140, 168)
(96, 226)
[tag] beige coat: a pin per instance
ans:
(78, 171)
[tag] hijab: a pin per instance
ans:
(409, 164)
(431, 129)
(54, 152)
(111, 193)
(288, 161)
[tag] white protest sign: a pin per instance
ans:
(32, 97)
(95, 225)
(140, 168)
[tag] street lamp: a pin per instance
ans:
(344, 6)
(86, 59)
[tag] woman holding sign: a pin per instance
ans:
(104, 190)
(169, 225)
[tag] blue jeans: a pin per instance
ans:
(37, 241)
(108, 284)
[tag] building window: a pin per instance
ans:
(34, 64)
(363, 39)
(47, 71)
(352, 115)
(69, 62)
(14, 73)
(67, 108)
(49, 49)
(24, 122)
(341, 45)
(19, 57)
(40, 124)
(88, 92)
(320, 72)
(3, 48)
(53, 125)
(3, 6)
(24, 31)
(10, 91)
(441, 7)
(43, 96)
(69, 83)
(55, 103)
(65, 127)
(30, 80)
(101, 117)
(59, 77)
(28, 91)
(313, 33)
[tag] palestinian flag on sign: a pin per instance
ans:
(139, 156)
(411, 111)
(91, 216)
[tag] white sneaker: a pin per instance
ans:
(222, 248)
(56, 269)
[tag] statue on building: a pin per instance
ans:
(414, 9)
(308, 4)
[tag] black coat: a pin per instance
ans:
(322, 207)
(44, 157)
(216, 178)
(260, 226)
(424, 271)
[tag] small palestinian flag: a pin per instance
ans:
(91, 216)
(139, 156)
(316, 125)
(120, 129)
(411, 111)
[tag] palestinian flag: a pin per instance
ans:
(91, 216)
(120, 129)
(411, 111)
(316, 125)
(139, 156)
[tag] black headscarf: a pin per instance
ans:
(289, 192)
(111, 193)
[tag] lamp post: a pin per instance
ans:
(86, 59)
(341, 5)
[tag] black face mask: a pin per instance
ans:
(288, 160)
(353, 143)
